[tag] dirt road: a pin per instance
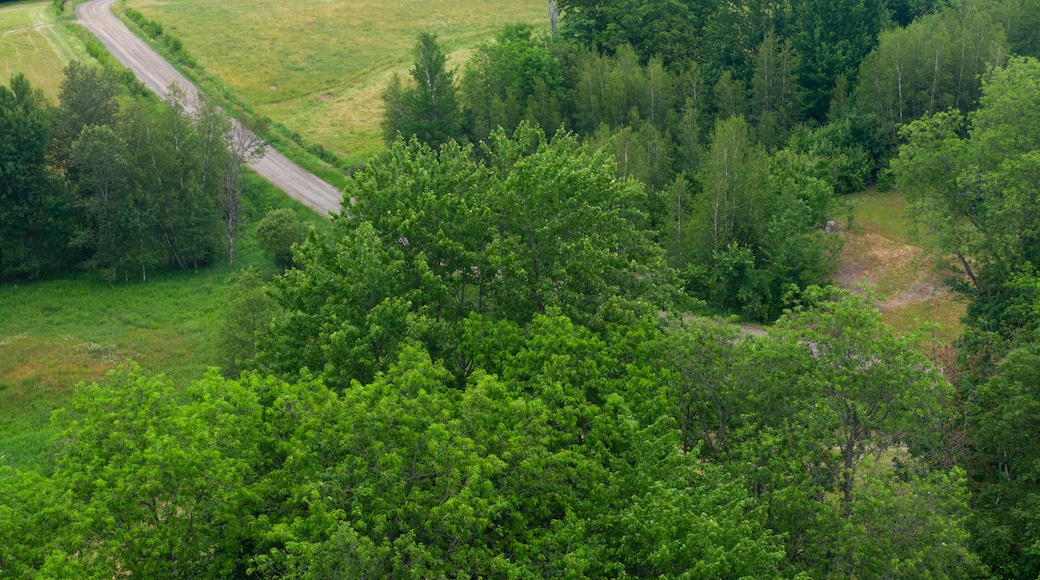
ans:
(157, 75)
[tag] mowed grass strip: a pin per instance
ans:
(319, 67)
(32, 43)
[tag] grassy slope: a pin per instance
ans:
(56, 333)
(880, 254)
(319, 67)
(31, 42)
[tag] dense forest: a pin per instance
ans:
(489, 364)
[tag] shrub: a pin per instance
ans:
(277, 233)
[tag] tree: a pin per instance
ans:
(665, 28)
(1021, 21)
(34, 224)
(515, 78)
(869, 388)
(88, 97)
(844, 432)
(734, 186)
(936, 63)
(729, 96)
(973, 195)
(248, 313)
(907, 524)
(1003, 435)
(119, 231)
(428, 109)
(162, 481)
(41, 530)
(831, 38)
(776, 96)
(277, 233)
(677, 228)
(227, 147)
(433, 236)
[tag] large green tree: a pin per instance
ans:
(516, 77)
(1005, 453)
(433, 236)
(831, 38)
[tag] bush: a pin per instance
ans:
(277, 233)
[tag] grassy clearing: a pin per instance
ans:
(319, 67)
(57, 333)
(879, 254)
(33, 43)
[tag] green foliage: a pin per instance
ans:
(618, 90)
(516, 77)
(277, 233)
(248, 312)
(911, 525)
(806, 413)
(776, 95)
(1004, 437)
(88, 97)
(428, 109)
(485, 378)
(39, 530)
(34, 223)
(934, 64)
(160, 482)
(434, 236)
(972, 194)
(1021, 19)
(155, 31)
(531, 474)
(658, 27)
(831, 38)
(757, 222)
(148, 180)
(677, 226)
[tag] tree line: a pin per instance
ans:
(115, 181)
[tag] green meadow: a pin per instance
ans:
(319, 67)
(35, 43)
(57, 333)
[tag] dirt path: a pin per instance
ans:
(157, 75)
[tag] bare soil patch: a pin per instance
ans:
(878, 257)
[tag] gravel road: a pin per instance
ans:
(157, 75)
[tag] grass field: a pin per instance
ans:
(31, 42)
(879, 254)
(319, 67)
(57, 333)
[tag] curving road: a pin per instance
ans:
(157, 75)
